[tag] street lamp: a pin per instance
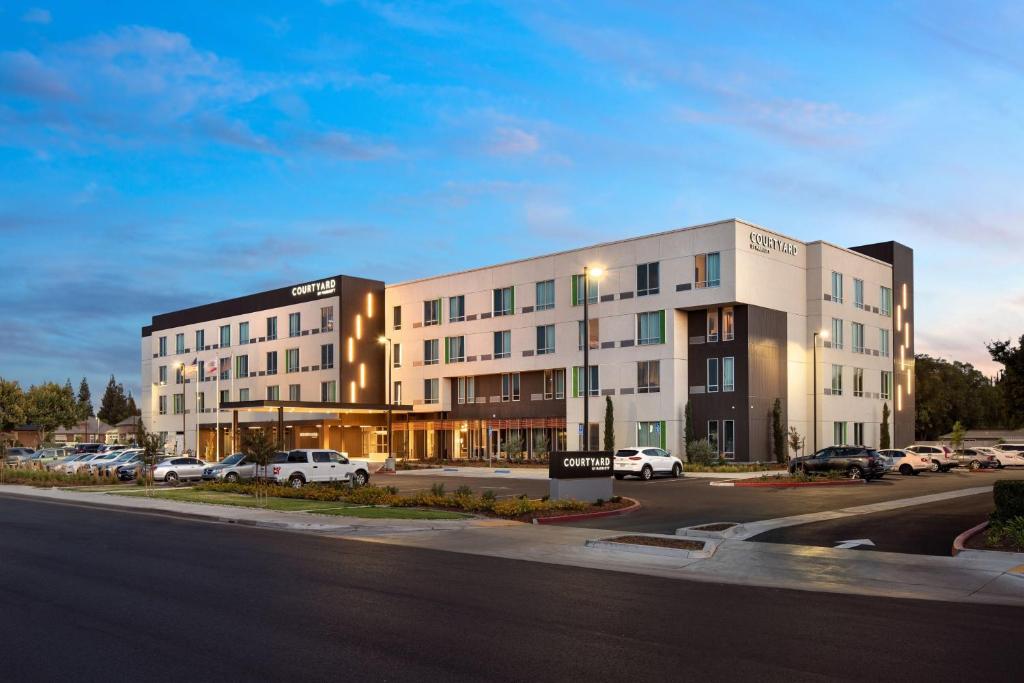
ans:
(814, 342)
(390, 466)
(588, 272)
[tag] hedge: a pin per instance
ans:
(1009, 498)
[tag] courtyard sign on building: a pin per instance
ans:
(766, 243)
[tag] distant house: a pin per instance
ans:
(988, 437)
(29, 436)
(90, 430)
(124, 431)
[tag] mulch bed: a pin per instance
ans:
(607, 507)
(721, 526)
(677, 543)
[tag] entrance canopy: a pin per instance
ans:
(268, 405)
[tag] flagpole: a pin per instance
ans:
(195, 364)
(218, 412)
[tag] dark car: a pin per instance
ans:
(88, 447)
(856, 462)
(18, 455)
(975, 459)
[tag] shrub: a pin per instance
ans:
(437, 490)
(47, 478)
(1009, 499)
(488, 495)
(700, 452)
(463, 491)
(616, 499)
(1007, 534)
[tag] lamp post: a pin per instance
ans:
(814, 342)
(588, 272)
(391, 449)
(180, 367)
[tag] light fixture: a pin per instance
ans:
(351, 349)
(823, 333)
(382, 339)
(352, 392)
(369, 305)
(595, 271)
(362, 375)
(359, 326)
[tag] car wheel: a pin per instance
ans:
(854, 473)
(619, 476)
(945, 469)
(975, 465)
(935, 466)
(360, 478)
(171, 478)
(676, 470)
(647, 473)
(906, 470)
(231, 477)
(296, 482)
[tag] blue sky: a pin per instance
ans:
(160, 155)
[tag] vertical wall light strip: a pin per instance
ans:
(903, 357)
(899, 317)
(910, 382)
(899, 397)
(359, 326)
(904, 297)
(362, 375)
(369, 305)
(351, 392)
(351, 350)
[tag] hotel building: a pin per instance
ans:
(718, 321)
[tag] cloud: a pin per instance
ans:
(23, 74)
(510, 141)
(341, 145)
(36, 15)
(413, 16)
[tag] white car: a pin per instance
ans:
(905, 462)
(645, 462)
(1007, 457)
(941, 456)
(308, 465)
(176, 469)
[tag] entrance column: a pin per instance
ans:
(234, 431)
(280, 428)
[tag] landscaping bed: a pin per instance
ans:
(659, 542)
(733, 468)
(434, 464)
(46, 478)
(796, 480)
(1004, 530)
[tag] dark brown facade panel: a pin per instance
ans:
(486, 386)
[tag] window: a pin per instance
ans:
(650, 434)
(396, 317)
(291, 360)
(858, 382)
(272, 328)
(504, 301)
(837, 380)
(455, 349)
(432, 312)
(857, 332)
(545, 295)
(329, 392)
(326, 356)
(467, 390)
(271, 362)
(456, 308)
(883, 343)
(837, 287)
(729, 439)
(647, 279)
(243, 394)
(225, 397)
(430, 351)
(179, 404)
(706, 272)
(225, 368)
(162, 405)
(885, 301)
(858, 293)
(728, 373)
(243, 333)
(577, 289)
(242, 366)
(200, 340)
(886, 384)
(837, 333)
(397, 392)
(650, 328)
(728, 324)
(225, 336)
(648, 377)
(162, 374)
(713, 435)
(294, 324)
(430, 391)
(179, 374)
(577, 381)
(396, 355)
(273, 393)
(554, 384)
(503, 344)
(162, 346)
(510, 386)
(327, 318)
(595, 334)
(712, 385)
(179, 342)
(838, 433)
(294, 392)
(545, 339)
(712, 325)
(858, 433)
(201, 402)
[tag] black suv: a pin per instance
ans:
(857, 462)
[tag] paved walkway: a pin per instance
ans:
(496, 471)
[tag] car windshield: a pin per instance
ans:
(624, 454)
(233, 459)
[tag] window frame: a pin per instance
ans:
(500, 337)
(728, 373)
(503, 301)
(546, 305)
(460, 315)
(645, 273)
(709, 387)
(648, 382)
(545, 340)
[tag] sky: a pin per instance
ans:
(155, 156)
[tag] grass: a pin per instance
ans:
(296, 505)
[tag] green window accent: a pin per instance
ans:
(513, 302)
(661, 317)
(576, 301)
(662, 428)
(576, 382)
(447, 349)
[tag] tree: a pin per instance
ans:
(259, 446)
(133, 410)
(50, 406)
(884, 440)
(12, 414)
(513, 446)
(114, 405)
(778, 435)
(795, 441)
(152, 446)
(956, 439)
(947, 391)
(689, 434)
(609, 424)
(85, 409)
(700, 452)
(1011, 384)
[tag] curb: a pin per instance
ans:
(610, 544)
(588, 515)
(961, 540)
(788, 484)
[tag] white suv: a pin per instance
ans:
(1008, 454)
(941, 456)
(645, 463)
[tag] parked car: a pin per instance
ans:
(214, 471)
(941, 456)
(174, 470)
(60, 465)
(18, 455)
(81, 464)
(87, 447)
(302, 466)
(125, 457)
(645, 462)
(887, 461)
(102, 459)
(975, 459)
(1008, 458)
(857, 462)
(129, 471)
(905, 462)
(45, 456)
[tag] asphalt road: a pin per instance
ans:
(90, 594)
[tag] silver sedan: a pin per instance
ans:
(179, 469)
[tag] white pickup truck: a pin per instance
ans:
(310, 465)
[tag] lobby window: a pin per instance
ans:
(883, 343)
(271, 362)
(650, 328)
(706, 272)
(837, 380)
(243, 394)
(466, 390)
(326, 356)
(225, 368)
(712, 325)
(291, 360)
(396, 355)
(455, 349)
(650, 434)
(858, 382)
(728, 324)
(201, 402)
(713, 435)
(200, 340)
(225, 397)
(430, 394)
(545, 295)
(161, 402)
(294, 392)
(647, 279)
(577, 381)
(545, 339)
(838, 433)
(457, 308)
(272, 328)
(837, 287)
(162, 374)
(179, 342)
(397, 392)
(225, 336)
(430, 351)
(294, 324)
(577, 290)
(503, 344)
(885, 301)
(396, 318)
(728, 374)
(837, 333)
(728, 439)
(242, 366)
(712, 383)
(329, 392)
(179, 374)
(179, 404)
(327, 318)
(432, 312)
(858, 433)
(648, 377)
(162, 346)
(554, 384)
(510, 386)
(857, 335)
(886, 389)
(243, 333)
(504, 301)
(595, 334)
(274, 392)
(858, 293)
